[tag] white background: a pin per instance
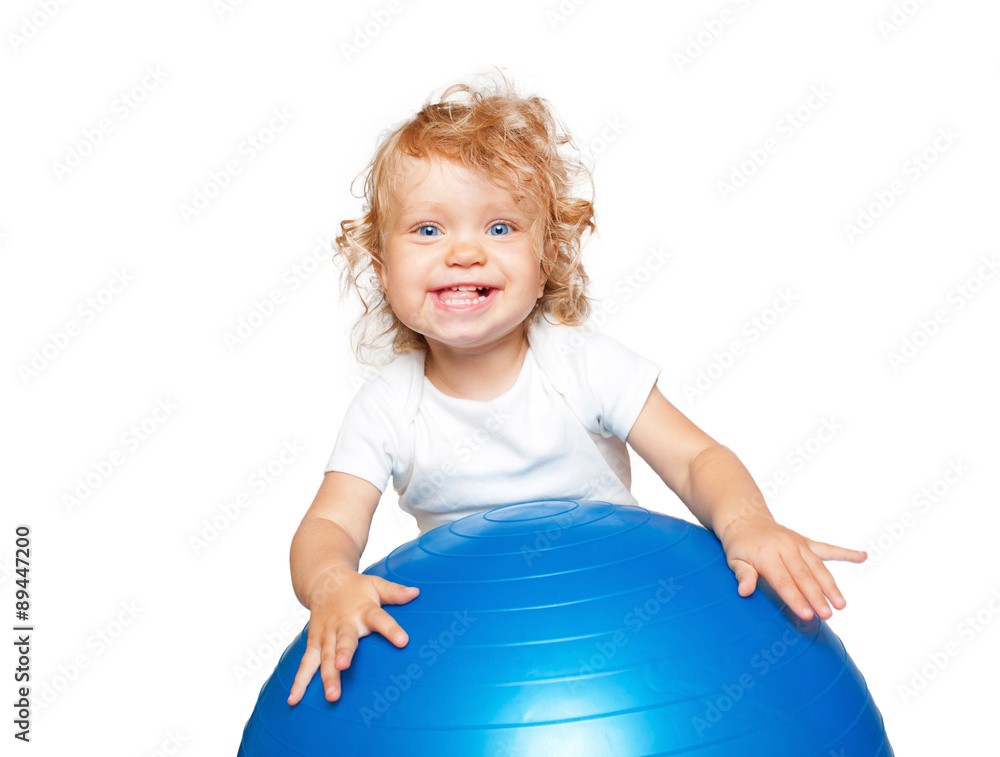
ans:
(182, 621)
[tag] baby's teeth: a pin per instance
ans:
(479, 299)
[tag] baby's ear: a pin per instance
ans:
(551, 252)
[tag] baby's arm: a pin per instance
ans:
(722, 495)
(343, 604)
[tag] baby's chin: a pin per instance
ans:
(475, 341)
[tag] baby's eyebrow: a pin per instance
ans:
(407, 213)
(428, 210)
(423, 208)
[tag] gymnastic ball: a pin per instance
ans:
(577, 628)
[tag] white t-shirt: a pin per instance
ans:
(557, 433)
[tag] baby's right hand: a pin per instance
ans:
(344, 607)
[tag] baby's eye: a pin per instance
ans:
(428, 231)
(499, 229)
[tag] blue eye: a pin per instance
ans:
(428, 231)
(500, 229)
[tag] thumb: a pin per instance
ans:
(746, 577)
(390, 593)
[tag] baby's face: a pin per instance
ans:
(459, 267)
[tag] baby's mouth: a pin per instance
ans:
(464, 295)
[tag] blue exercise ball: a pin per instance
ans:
(577, 628)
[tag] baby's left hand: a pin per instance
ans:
(791, 564)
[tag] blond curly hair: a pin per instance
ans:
(515, 142)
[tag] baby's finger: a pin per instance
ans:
(776, 573)
(307, 669)
(347, 643)
(806, 583)
(832, 552)
(328, 668)
(382, 622)
(746, 577)
(826, 581)
(395, 594)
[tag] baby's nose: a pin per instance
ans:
(465, 251)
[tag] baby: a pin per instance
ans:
(467, 259)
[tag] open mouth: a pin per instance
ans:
(464, 296)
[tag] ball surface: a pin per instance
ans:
(577, 628)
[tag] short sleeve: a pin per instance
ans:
(368, 442)
(605, 383)
(620, 381)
